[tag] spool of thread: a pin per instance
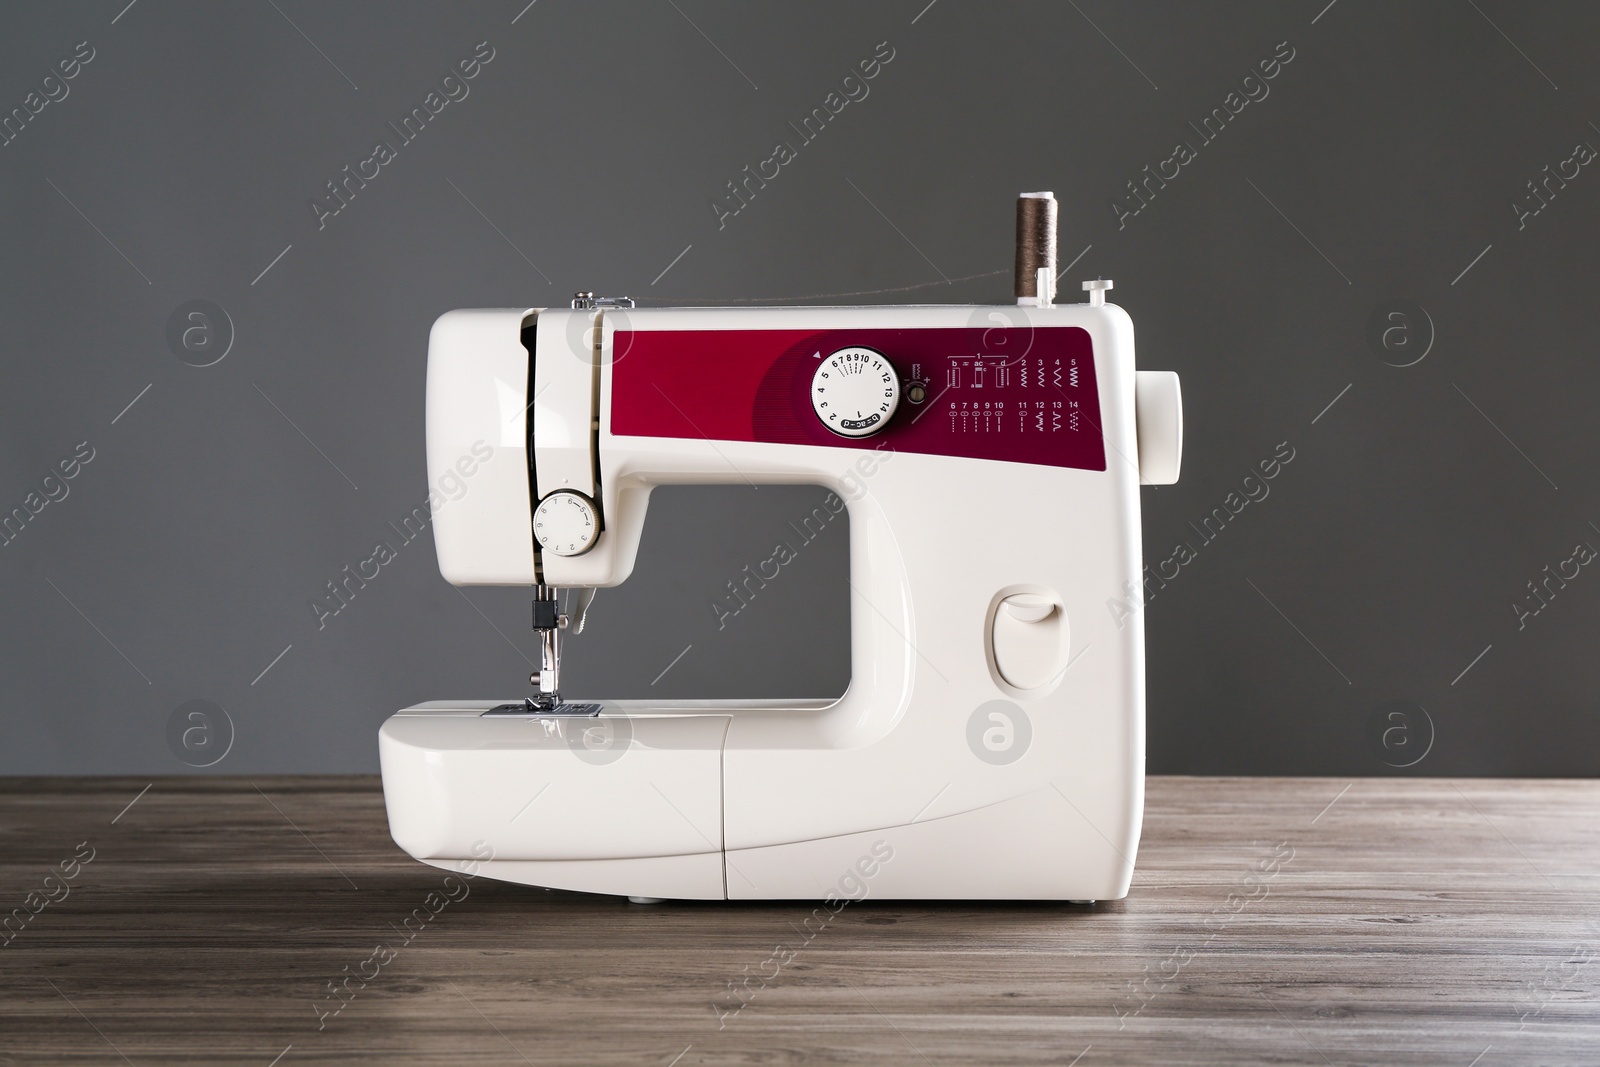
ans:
(1036, 243)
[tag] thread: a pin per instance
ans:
(1036, 242)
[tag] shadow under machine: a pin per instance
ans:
(991, 742)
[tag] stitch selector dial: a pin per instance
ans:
(855, 391)
(566, 523)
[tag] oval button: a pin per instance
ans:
(1029, 640)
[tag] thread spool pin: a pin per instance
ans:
(1097, 291)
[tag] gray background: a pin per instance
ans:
(1382, 164)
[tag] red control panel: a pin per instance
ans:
(1021, 394)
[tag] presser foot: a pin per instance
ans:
(535, 708)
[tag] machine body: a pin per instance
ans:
(991, 740)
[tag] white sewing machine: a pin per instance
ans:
(991, 742)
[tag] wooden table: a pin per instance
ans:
(1417, 921)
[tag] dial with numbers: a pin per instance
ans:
(566, 523)
(855, 391)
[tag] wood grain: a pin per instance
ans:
(1416, 921)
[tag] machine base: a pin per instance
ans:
(631, 803)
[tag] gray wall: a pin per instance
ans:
(1325, 630)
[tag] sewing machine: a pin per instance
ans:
(991, 742)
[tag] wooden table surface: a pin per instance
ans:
(1380, 921)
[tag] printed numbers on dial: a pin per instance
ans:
(855, 391)
(566, 523)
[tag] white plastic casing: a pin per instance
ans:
(565, 391)
(782, 799)
(477, 403)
